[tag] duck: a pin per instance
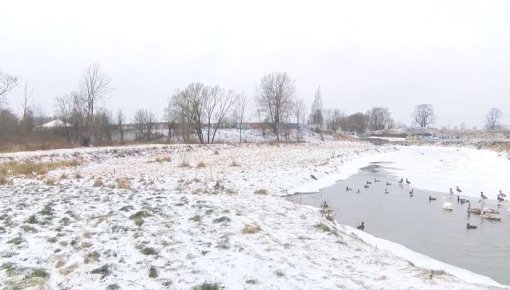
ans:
(502, 194)
(376, 180)
(401, 180)
(407, 181)
(461, 200)
(451, 190)
(366, 186)
(470, 227)
(357, 191)
(431, 198)
(386, 191)
(325, 205)
(473, 210)
(483, 196)
(458, 189)
(348, 188)
(368, 182)
(500, 198)
(388, 183)
(361, 227)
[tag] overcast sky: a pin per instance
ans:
(454, 55)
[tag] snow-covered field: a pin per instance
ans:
(156, 217)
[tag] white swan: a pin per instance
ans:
(447, 205)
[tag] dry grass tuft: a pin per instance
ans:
(184, 163)
(261, 191)
(29, 167)
(3, 179)
(234, 163)
(201, 164)
(49, 181)
(122, 183)
(164, 159)
(251, 229)
(323, 227)
(98, 183)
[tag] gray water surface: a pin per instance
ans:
(418, 224)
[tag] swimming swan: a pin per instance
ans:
(473, 210)
(447, 206)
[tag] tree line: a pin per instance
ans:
(195, 113)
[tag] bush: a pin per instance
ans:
(153, 272)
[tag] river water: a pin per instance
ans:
(420, 224)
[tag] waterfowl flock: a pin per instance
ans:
(483, 211)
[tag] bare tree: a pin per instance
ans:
(299, 113)
(423, 115)
(493, 118)
(144, 123)
(217, 103)
(120, 119)
(190, 105)
(239, 111)
(379, 119)
(103, 122)
(7, 83)
(27, 117)
(357, 122)
(203, 108)
(78, 116)
(275, 98)
(317, 116)
(8, 125)
(63, 111)
(170, 116)
(96, 86)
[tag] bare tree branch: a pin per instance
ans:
(7, 83)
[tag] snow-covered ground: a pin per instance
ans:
(193, 214)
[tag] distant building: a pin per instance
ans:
(53, 124)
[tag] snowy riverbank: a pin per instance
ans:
(187, 215)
